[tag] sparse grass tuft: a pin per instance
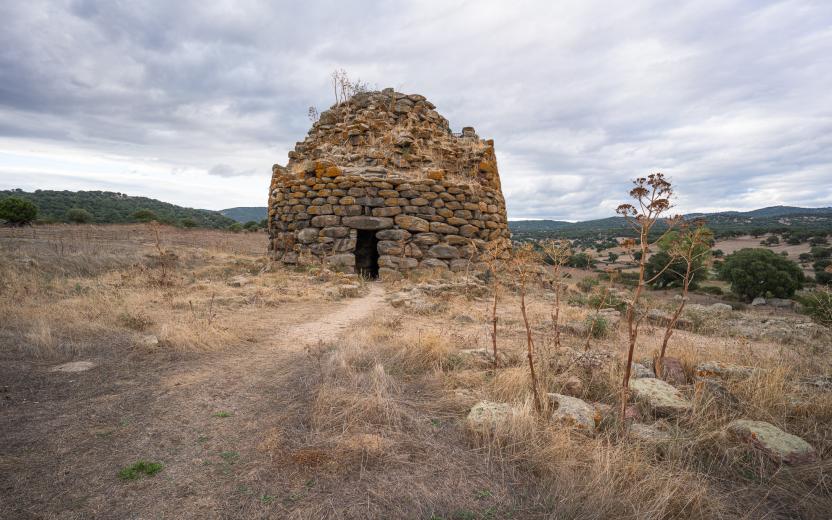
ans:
(139, 468)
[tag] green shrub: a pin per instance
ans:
(78, 216)
(586, 284)
(235, 227)
(818, 305)
(597, 325)
(188, 222)
(754, 272)
(17, 211)
(581, 260)
(612, 301)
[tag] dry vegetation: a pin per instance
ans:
(273, 393)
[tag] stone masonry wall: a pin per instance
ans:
(388, 164)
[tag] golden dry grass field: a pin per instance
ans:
(219, 385)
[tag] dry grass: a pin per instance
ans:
(369, 425)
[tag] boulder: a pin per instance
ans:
(659, 396)
(573, 412)
(672, 371)
(239, 281)
(443, 251)
(73, 366)
(482, 357)
(341, 260)
(774, 442)
(639, 370)
(720, 307)
(325, 220)
(711, 369)
(308, 235)
(758, 301)
(486, 416)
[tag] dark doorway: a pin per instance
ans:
(366, 254)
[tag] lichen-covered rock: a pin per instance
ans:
(659, 396)
(486, 416)
(777, 444)
(385, 167)
(711, 369)
(573, 412)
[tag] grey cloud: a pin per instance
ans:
(226, 170)
(732, 99)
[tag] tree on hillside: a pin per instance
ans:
(754, 272)
(668, 267)
(17, 211)
(78, 216)
(144, 215)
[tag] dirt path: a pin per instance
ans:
(211, 421)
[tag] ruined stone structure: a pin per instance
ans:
(381, 185)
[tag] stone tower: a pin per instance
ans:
(381, 186)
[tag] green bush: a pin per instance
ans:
(818, 305)
(17, 211)
(78, 216)
(235, 227)
(144, 215)
(188, 222)
(586, 284)
(597, 325)
(754, 272)
(581, 260)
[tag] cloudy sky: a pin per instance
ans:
(192, 102)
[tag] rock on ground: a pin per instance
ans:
(711, 369)
(777, 444)
(73, 366)
(650, 433)
(573, 412)
(487, 416)
(659, 396)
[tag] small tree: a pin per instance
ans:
(557, 254)
(79, 216)
(754, 272)
(17, 211)
(652, 199)
(524, 263)
(690, 246)
(188, 222)
(144, 215)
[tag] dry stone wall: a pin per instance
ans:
(381, 186)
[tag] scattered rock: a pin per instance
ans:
(777, 444)
(638, 371)
(758, 301)
(573, 412)
(239, 281)
(672, 371)
(659, 396)
(570, 385)
(349, 291)
(780, 303)
(823, 383)
(650, 433)
(73, 366)
(720, 307)
(487, 416)
(658, 317)
(711, 369)
(149, 341)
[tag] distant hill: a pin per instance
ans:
(246, 214)
(725, 223)
(108, 207)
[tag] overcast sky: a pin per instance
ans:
(192, 102)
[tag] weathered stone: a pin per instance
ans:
(393, 234)
(308, 235)
(73, 366)
(482, 357)
(433, 263)
(367, 223)
(672, 371)
(387, 211)
(341, 260)
(425, 239)
(440, 227)
(323, 221)
(659, 396)
(443, 251)
(774, 442)
(487, 416)
(573, 412)
(758, 301)
(411, 223)
(711, 369)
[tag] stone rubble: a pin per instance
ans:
(661, 397)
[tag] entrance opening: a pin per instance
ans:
(366, 254)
